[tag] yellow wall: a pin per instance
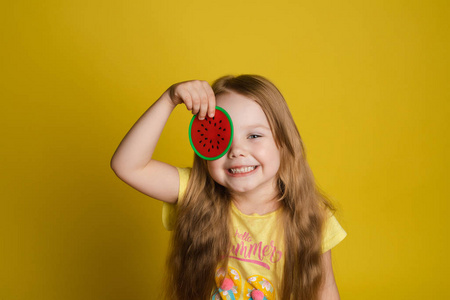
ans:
(367, 83)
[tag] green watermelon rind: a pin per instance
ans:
(229, 143)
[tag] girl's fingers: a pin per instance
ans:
(185, 97)
(211, 99)
(204, 109)
(198, 97)
(195, 101)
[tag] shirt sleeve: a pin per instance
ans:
(333, 233)
(169, 211)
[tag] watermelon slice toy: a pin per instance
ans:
(211, 137)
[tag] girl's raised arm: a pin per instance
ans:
(132, 161)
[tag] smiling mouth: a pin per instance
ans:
(242, 170)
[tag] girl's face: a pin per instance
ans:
(253, 160)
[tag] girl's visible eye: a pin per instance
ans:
(253, 136)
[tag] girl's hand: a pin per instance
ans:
(197, 95)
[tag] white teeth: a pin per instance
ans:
(242, 170)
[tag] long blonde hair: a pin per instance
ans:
(201, 240)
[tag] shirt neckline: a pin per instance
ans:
(254, 215)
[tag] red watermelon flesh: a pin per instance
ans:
(211, 138)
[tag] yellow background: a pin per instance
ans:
(367, 83)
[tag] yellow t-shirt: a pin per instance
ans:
(257, 256)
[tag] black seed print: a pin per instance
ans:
(218, 142)
(223, 129)
(198, 130)
(210, 141)
(220, 128)
(206, 138)
(202, 134)
(217, 147)
(220, 121)
(208, 150)
(218, 134)
(209, 122)
(204, 145)
(223, 139)
(215, 124)
(202, 125)
(200, 141)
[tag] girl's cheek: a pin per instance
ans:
(214, 167)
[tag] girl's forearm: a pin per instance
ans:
(137, 147)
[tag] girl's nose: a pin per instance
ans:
(237, 149)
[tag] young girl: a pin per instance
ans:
(249, 225)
